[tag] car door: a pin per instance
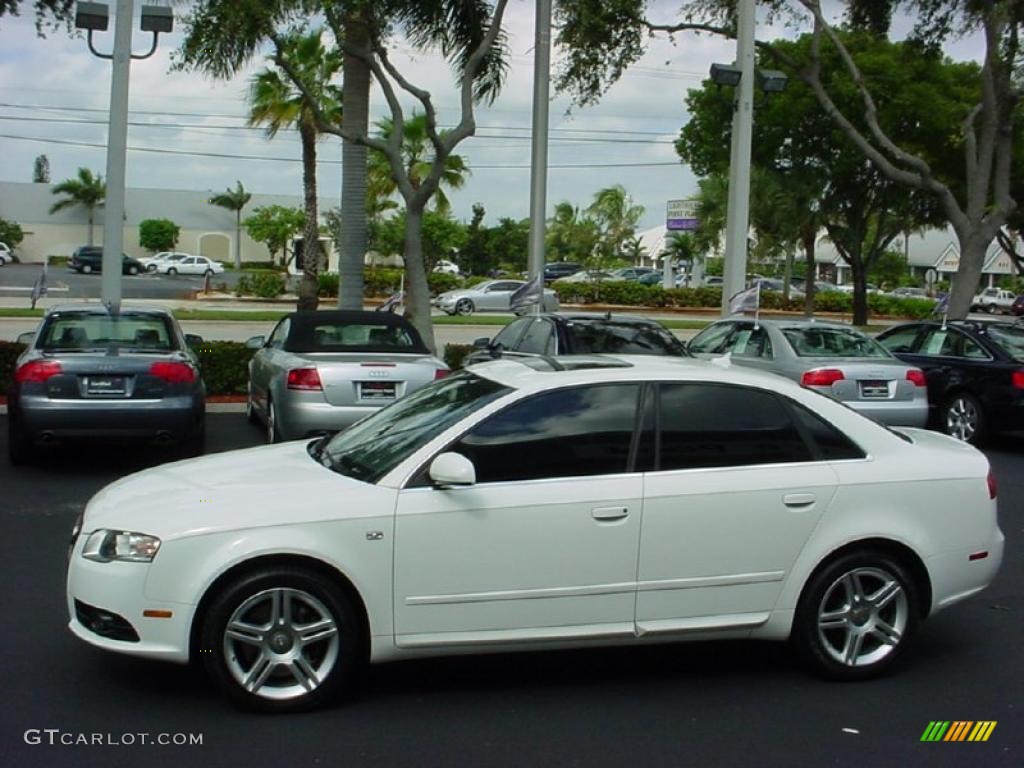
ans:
(497, 296)
(544, 544)
(264, 365)
(734, 493)
(750, 344)
(189, 266)
(950, 360)
(711, 341)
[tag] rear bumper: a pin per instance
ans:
(296, 420)
(173, 417)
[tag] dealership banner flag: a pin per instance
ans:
(746, 301)
(392, 302)
(39, 287)
(528, 294)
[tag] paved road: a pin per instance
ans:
(732, 704)
(16, 280)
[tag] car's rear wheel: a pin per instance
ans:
(86, 269)
(133, 270)
(208, 273)
(281, 640)
(962, 418)
(991, 309)
(273, 431)
(250, 409)
(856, 616)
(172, 271)
(464, 307)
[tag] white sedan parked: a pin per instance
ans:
(500, 508)
(162, 259)
(191, 265)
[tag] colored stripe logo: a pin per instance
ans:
(958, 730)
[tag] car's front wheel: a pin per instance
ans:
(86, 269)
(250, 409)
(133, 270)
(856, 616)
(962, 418)
(281, 640)
(172, 271)
(992, 309)
(464, 307)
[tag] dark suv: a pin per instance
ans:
(557, 269)
(579, 334)
(89, 258)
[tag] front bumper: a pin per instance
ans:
(119, 589)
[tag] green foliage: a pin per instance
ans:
(327, 285)
(381, 281)
(454, 354)
(265, 285)
(440, 282)
(10, 233)
(158, 234)
(616, 218)
(508, 243)
(571, 236)
(275, 226)
(84, 190)
(224, 366)
(232, 199)
(441, 236)
(9, 352)
(889, 269)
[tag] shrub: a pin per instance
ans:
(224, 366)
(158, 234)
(265, 285)
(9, 351)
(440, 282)
(11, 233)
(327, 285)
(454, 354)
(381, 281)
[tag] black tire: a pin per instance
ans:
(19, 448)
(273, 431)
(962, 417)
(335, 655)
(133, 270)
(172, 271)
(208, 273)
(992, 309)
(464, 307)
(86, 269)
(861, 640)
(250, 411)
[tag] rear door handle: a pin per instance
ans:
(798, 499)
(609, 513)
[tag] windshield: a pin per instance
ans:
(833, 342)
(1010, 338)
(85, 331)
(609, 337)
(374, 446)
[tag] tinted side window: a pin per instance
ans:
(566, 433)
(280, 333)
(716, 425)
(900, 340)
(539, 338)
(831, 443)
(711, 339)
(509, 335)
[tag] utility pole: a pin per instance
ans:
(539, 155)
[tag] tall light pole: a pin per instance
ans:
(539, 154)
(94, 17)
(737, 218)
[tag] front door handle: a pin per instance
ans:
(798, 499)
(609, 513)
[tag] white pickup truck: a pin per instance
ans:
(993, 300)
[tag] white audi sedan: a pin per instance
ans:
(514, 506)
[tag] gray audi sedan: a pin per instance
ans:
(832, 358)
(322, 371)
(89, 373)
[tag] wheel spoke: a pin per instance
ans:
(887, 633)
(245, 633)
(319, 630)
(258, 673)
(304, 673)
(833, 619)
(277, 597)
(889, 592)
(851, 583)
(851, 650)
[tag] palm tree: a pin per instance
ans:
(234, 200)
(617, 216)
(276, 103)
(419, 157)
(85, 190)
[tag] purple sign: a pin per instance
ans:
(684, 225)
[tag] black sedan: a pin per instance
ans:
(974, 370)
(90, 373)
(579, 334)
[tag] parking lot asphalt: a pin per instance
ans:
(694, 704)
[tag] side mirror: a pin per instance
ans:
(452, 469)
(27, 338)
(482, 343)
(255, 342)
(193, 340)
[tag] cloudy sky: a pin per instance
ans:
(188, 132)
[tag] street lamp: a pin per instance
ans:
(741, 76)
(94, 17)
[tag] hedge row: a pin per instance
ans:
(382, 282)
(630, 293)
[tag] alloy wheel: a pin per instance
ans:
(962, 419)
(281, 643)
(863, 616)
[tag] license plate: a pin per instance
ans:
(106, 385)
(377, 390)
(877, 389)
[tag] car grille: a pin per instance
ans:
(104, 623)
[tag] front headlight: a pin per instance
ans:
(104, 546)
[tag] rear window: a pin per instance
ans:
(1010, 338)
(832, 342)
(610, 337)
(326, 336)
(84, 331)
